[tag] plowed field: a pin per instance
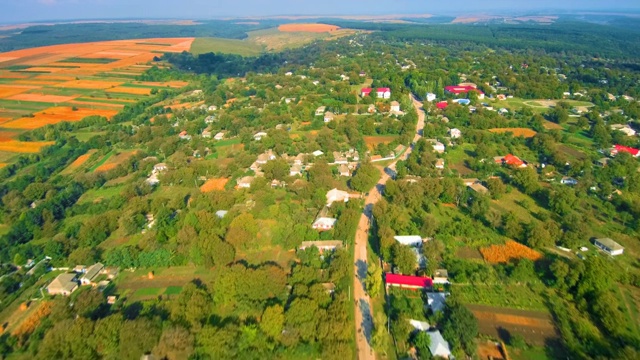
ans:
(55, 115)
(316, 28)
(524, 132)
(214, 185)
(536, 326)
(23, 147)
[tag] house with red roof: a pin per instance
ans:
(510, 160)
(382, 93)
(442, 105)
(621, 148)
(408, 281)
(365, 92)
(463, 89)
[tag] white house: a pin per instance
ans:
(328, 116)
(266, 157)
(296, 170)
(441, 276)
(259, 135)
(245, 182)
(212, 108)
(219, 136)
(326, 245)
(317, 153)
(568, 181)
(321, 110)
(159, 167)
(455, 133)
(437, 145)
(420, 325)
(206, 134)
(438, 345)
(395, 107)
(609, 246)
(384, 93)
(324, 223)
(209, 119)
(64, 285)
(409, 240)
(431, 97)
(288, 73)
(184, 135)
(335, 195)
(343, 170)
(92, 272)
(626, 129)
(221, 213)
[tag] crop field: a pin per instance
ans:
(373, 141)
(16, 146)
(507, 252)
(524, 132)
(316, 28)
(535, 326)
(77, 163)
(51, 84)
(115, 160)
(214, 185)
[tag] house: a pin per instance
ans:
(501, 97)
(463, 89)
(245, 182)
(289, 100)
(442, 105)
(408, 281)
(479, 188)
(503, 111)
(219, 136)
(437, 146)
(266, 157)
(275, 183)
(437, 301)
(626, 129)
(159, 167)
(409, 240)
(324, 224)
(221, 213)
(339, 158)
(206, 134)
(371, 109)
(362, 74)
(343, 170)
(620, 148)
(609, 246)
(568, 181)
(278, 87)
(299, 159)
(603, 162)
(184, 135)
(336, 195)
(384, 93)
(441, 276)
(63, 284)
(420, 325)
(431, 97)
(438, 346)
(295, 170)
(317, 153)
(321, 110)
(365, 92)
(327, 245)
(440, 164)
(259, 135)
(212, 108)
(510, 160)
(462, 101)
(92, 272)
(328, 116)
(210, 119)
(455, 133)
(288, 73)
(330, 288)
(344, 77)
(395, 107)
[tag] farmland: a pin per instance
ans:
(214, 185)
(52, 84)
(509, 251)
(524, 132)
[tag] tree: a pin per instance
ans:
(272, 322)
(242, 230)
(138, 337)
(460, 327)
(365, 178)
(276, 169)
(539, 237)
(175, 343)
(379, 337)
(373, 282)
(496, 187)
(422, 341)
(404, 258)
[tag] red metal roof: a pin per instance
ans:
(366, 90)
(630, 150)
(442, 105)
(384, 89)
(513, 160)
(395, 279)
(461, 89)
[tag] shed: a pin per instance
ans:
(609, 246)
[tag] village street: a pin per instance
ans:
(363, 316)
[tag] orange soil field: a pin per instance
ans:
(35, 82)
(55, 115)
(8, 135)
(80, 160)
(89, 84)
(24, 147)
(536, 326)
(373, 141)
(91, 103)
(316, 28)
(53, 77)
(527, 133)
(115, 161)
(510, 250)
(6, 91)
(173, 84)
(2, 165)
(214, 185)
(552, 126)
(130, 90)
(4, 120)
(41, 98)
(488, 350)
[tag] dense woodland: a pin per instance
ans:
(245, 305)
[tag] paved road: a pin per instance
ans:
(364, 314)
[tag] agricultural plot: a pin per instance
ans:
(509, 251)
(214, 185)
(373, 141)
(114, 161)
(524, 132)
(77, 163)
(536, 326)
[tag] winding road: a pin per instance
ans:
(364, 313)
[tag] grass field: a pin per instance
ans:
(96, 195)
(520, 296)
(230, 46)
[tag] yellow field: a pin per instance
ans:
(24, 147)
(524, 132)
(130, 90)
(55, 115)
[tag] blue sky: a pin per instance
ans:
(13, 11)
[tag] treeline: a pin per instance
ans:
(224, 65)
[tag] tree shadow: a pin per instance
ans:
(132, 311)
(361, 270)
(367, 321)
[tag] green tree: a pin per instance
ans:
(365, 178)
(496, 187)
(460, 327)
(404, 258)
(272, 322)
(373, 282)
(422, 341)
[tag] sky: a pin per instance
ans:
(17, 11)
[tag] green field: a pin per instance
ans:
(520, 297)
(96, 195)
(88, 60)
(231, 46)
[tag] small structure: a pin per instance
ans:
(409, 240)
(327, 245)
(288, 73)
(431, 97)
(462, 101)
(568, 181)
(479, 188)
(206, 134)
(442, 105)
(266, 157)
(343, 170)
(407, 281)
(440, 164)
(436, 301)
(63, 285)
(328, 116)
(335, 195)
(212, 108)
(184, 135)
(221, 213)
(245, 182)
(420, 325)
(219, 136)
(602, 162)
(330, 288)
(317, 153)
(437, 146)
(321, 110)
(324, 224)
(210, 119)
(395, 107)
(609, 246)
(160, 167)
(371, 109)
(259, 135)
(296, 170)
(438, 346)
(92, 272)
(441, 276)
(455, 133)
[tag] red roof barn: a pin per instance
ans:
(630, 150)
(457, 89)
(365, 91)
(410, 282)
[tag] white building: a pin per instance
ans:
(626, 129)
(324, 223)
(395, 107)
(259, 135)
(409, 240)
(438, 346)
(335, 195)
(455, 133)
(431, 97)
(219, 136)
(609, 246)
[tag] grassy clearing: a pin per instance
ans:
(98, 195)
(173, 290)
(521, 205)
(230, 46)
(520, 297)
(227, 142)
(102, 161)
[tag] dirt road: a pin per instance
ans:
(364, 314)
